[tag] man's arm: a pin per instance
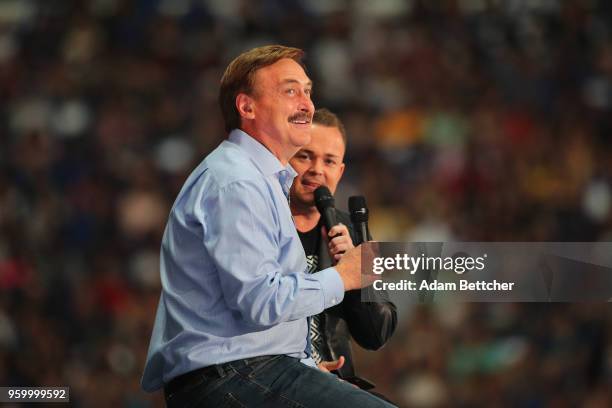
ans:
(371, 324)
(241, 234)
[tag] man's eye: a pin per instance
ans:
(330, 162)
(308, 91)
(290, 91)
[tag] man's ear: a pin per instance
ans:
(244, 104)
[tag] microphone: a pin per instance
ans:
(359, 216)
(326, 205)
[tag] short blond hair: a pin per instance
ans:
(325, 117)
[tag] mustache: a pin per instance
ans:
(301, 116)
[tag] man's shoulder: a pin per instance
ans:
(229, 164)
(224, 167)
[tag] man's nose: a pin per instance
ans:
(316, 167)
(306, 104)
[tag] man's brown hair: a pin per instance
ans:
(239, 74)
(326, 118)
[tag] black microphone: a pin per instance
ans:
(326, 205)
(359, 216)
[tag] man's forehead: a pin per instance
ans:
(328, 142)
(328, 133)
(313, 149)
(284, 71)
(290, 80)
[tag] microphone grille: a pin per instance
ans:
(323, 198)
(358, 209)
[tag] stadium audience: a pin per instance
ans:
(468, 120)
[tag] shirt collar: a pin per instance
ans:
(285, 178)
(267, 163)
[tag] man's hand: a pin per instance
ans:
(349, 266)
(339, 240)
(329, 366)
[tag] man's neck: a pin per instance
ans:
(271, 144)
(305, 218)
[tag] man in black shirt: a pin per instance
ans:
(370, 324)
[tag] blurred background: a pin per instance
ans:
(471, 120)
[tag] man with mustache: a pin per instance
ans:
(232, 321)
(321, 162)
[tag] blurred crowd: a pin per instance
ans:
(470, 120)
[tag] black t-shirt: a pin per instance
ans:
(311, 241)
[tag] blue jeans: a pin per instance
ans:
(279, 381)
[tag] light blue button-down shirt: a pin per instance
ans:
(233, 270)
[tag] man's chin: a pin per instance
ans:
(304, 200)
(301, 138)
